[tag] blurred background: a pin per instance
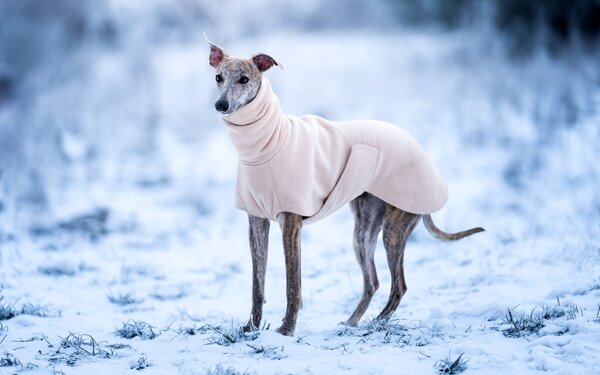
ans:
(106, 106)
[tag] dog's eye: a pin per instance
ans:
(219, 78)
(243, 80)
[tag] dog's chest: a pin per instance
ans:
(298, 185)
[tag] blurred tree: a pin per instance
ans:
(34, 32)
(526, 24)
(449, 13)
(551, 23)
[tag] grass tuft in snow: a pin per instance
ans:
(192, 331)
(520, 324)
(168, 296)
(383, 331)
(62, 269)
(592, 287)
(9, 311)
(119, 346)
(141, 363)
(92, 225)
(134, 328)
(9, 360)
(123, 299)
(390, 326)
(229, 336)
(188, 331)
(76, 347)
(220, 370)
(269, 351)
(370, 327)
(391, 331)
(38, 310)
(449, 366)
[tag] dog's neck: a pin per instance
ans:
(259, 128)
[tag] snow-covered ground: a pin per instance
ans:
(139, 233)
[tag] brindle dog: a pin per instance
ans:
(238, 81)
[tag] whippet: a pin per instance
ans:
(297, 170)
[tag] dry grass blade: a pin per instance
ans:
(521, 324)
(220, 370)
(134, 328)
(232, 335)
(75, 347)
(141, 363)
(270, 351)
(123, 299)
(448, 366)
(9, 311)
(9, 360)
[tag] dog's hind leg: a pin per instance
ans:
(368, 213)
(291, 226)
(259, 246)
(397, 227)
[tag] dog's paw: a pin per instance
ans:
(250, 327)
(286, 331)
(348, 323)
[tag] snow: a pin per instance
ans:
(518, 142)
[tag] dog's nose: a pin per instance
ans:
(222, 105)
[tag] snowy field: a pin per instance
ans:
(138, 260)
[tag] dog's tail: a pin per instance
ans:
(441, 235)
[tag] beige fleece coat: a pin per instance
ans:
(310, 166)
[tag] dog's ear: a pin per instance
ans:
(216, 55)
(263, 62)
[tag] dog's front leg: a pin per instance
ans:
(291, 225)
(259, 246)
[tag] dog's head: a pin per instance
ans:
(238, 80)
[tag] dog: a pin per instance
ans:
(297, 170)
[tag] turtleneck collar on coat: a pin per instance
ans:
(258, 129)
